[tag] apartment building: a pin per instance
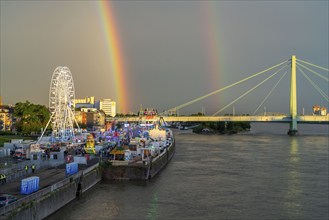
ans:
(108, 106)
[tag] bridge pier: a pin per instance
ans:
(292, 132)
(293, 128)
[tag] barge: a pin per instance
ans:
(142, 159)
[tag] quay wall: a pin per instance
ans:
(46, 205)
(54, 197)
(90, 179)
(123, 172)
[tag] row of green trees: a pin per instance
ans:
(224, 127)
(121, 115)
(31, 118)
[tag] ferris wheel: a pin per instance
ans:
(61, 95)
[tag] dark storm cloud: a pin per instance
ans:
(165, 48)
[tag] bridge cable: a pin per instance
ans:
(311, 64)
(312, 71)
(314, 85)
(250, 90)
(324, 95)
(222, 89)
(273, 88)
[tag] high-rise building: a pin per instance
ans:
(108, 106)
(88, 102)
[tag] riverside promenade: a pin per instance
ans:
(48, 177)
(55, 190)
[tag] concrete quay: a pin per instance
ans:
(55, 191)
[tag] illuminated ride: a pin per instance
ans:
(61, 95)
(90, 145)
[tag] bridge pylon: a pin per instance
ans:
(293, 98)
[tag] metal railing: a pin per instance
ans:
(45, 191)
(25, 200)
(17, 171)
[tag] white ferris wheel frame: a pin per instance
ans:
(61, 95)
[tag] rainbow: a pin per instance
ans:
(115, 57)
(212, 43)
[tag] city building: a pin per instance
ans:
(317, 110)
(147, 112)
(6, 118)
(87, 102)
(89, 109)
(92, 119)
(323, 111)
(107, 106)
(81, 118)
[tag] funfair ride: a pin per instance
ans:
(61, 95)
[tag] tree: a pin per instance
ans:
(198, 114)
(229, 127)
(31, 117)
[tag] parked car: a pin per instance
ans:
(6, 199)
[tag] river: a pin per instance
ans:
(261, 174)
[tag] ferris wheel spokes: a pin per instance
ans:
(61, 96)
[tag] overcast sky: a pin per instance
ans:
(173, 51)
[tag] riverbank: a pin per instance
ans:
(56, 191)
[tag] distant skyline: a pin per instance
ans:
(162, 53)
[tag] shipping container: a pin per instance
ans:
(29, 185)
(71, 168)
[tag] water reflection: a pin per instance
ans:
(294, 187)
(280, 177)
(153, 210)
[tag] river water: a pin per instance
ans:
(261, 174)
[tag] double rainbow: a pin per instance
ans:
(115, 56)
(116, 59)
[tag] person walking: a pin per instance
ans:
(26, 168)
(2, 178)
(33, 168)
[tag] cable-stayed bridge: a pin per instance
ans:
(291, 65)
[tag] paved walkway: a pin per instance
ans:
(47, 178)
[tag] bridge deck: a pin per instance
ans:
(269, 118)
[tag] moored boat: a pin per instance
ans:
(143, 158)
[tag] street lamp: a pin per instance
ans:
(265, 111)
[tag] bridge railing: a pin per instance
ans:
(313, 118)
(264, 118)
